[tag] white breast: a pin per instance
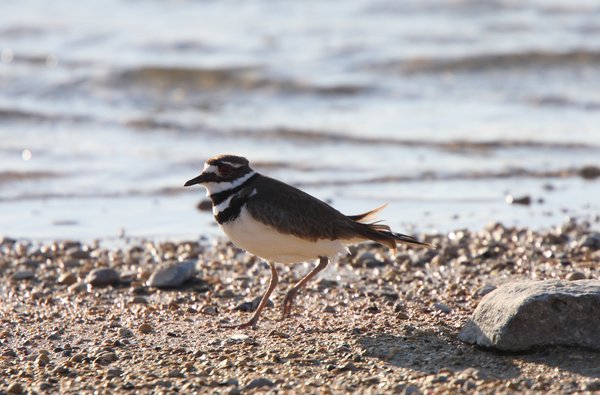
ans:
(264, 241)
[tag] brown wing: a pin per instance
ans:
(293, 211)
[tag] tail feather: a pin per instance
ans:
(368, 216)
(381, 233)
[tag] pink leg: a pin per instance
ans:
(289, 297)
(263, 302)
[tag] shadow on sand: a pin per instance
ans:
(429, 352)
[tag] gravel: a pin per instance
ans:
(374, 324)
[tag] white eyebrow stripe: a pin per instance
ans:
(236, 165)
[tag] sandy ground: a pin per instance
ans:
(373, 323)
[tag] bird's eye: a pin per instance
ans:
(225, 170)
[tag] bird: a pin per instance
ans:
(282, 224)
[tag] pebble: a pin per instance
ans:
(145, 328)
(114, 372)
(209, 310)
(15, 388)
(575, 276)
(521, 200)
(102, 277)
(444, 308)
(139, 300)
(175, 373)
(241, 338)
(77, 253)
(591, 241)
(106, 358)
(329, 309)
(251, 306)
(23, 275)
(78, 287)
(172, 274)
(126, 333)
(369, 259)
(77, 358)
(67, 279)
(204, 205)
(589, 172)
(42, 360)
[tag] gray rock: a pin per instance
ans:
(102, 277)
(23, 275)
(592, 241)
(519, 316)
(172, 274)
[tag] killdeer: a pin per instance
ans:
(280, 223)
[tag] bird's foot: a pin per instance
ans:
(250, 324)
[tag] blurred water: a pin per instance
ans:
(441, 108)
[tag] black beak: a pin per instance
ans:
(197, 180)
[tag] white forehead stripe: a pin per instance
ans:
(236, 165)
(216, 187)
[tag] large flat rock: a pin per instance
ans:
(521, 315)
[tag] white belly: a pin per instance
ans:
(263, 241)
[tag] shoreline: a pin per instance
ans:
(371, 323)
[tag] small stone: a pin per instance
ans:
(258, 383)
(77, 253)
(139, 300)
(172, 274)
(369, 259)
(373, 309)
(521, 315)
(78, 287)
(42, 360)
(15, 388)
(102, 277)
(241, 338)
(204, 205)
(575, 276)
(23, 275)
(522, 200)
(592, 241)
(67, 279)
(329, 309)
(106, 358)
(249, 307)
(442, 307)
(175, 373)
(593, 385)
(114, 372)
(126, 333)
(77, 358)
(589, 172)
(226, 363)
(145, 328)
(209, 310)
(411, 389)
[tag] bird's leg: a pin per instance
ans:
(263, 302)
(289, 297)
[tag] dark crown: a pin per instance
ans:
(232, 159)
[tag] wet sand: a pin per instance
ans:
(371, 324)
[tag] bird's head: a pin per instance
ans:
(220, 171)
